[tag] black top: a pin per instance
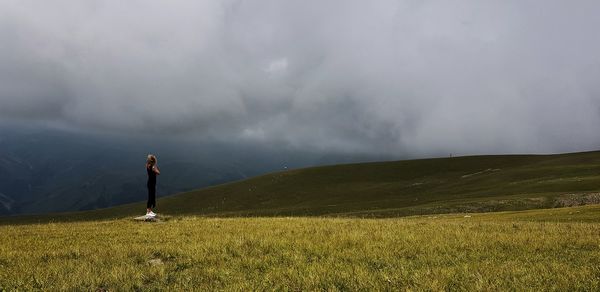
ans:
(151, 176)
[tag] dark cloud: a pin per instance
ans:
(414, 77)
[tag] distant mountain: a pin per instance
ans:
(45, 171)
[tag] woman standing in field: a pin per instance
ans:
(152, 171)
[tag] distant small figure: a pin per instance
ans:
(153, 171)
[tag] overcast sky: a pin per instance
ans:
(416, 77)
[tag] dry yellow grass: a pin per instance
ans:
(185, 253)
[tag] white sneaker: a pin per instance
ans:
(152, 214)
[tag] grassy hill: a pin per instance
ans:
(539, 249)
(388, 189)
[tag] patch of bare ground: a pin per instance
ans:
(571, 200)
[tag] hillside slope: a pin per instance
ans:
(48, 171)
(389, 189)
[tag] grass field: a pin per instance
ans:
(557, 249)
(405, 225)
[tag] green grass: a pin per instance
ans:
(386, 189)
(587, 214)
(517, 251)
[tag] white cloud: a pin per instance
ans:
(384, 76)
(277, 66)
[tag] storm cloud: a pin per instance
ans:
(410, 77)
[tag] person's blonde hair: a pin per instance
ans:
(151, 160)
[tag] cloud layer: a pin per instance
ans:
(408, 77)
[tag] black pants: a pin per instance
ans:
(151, 196)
